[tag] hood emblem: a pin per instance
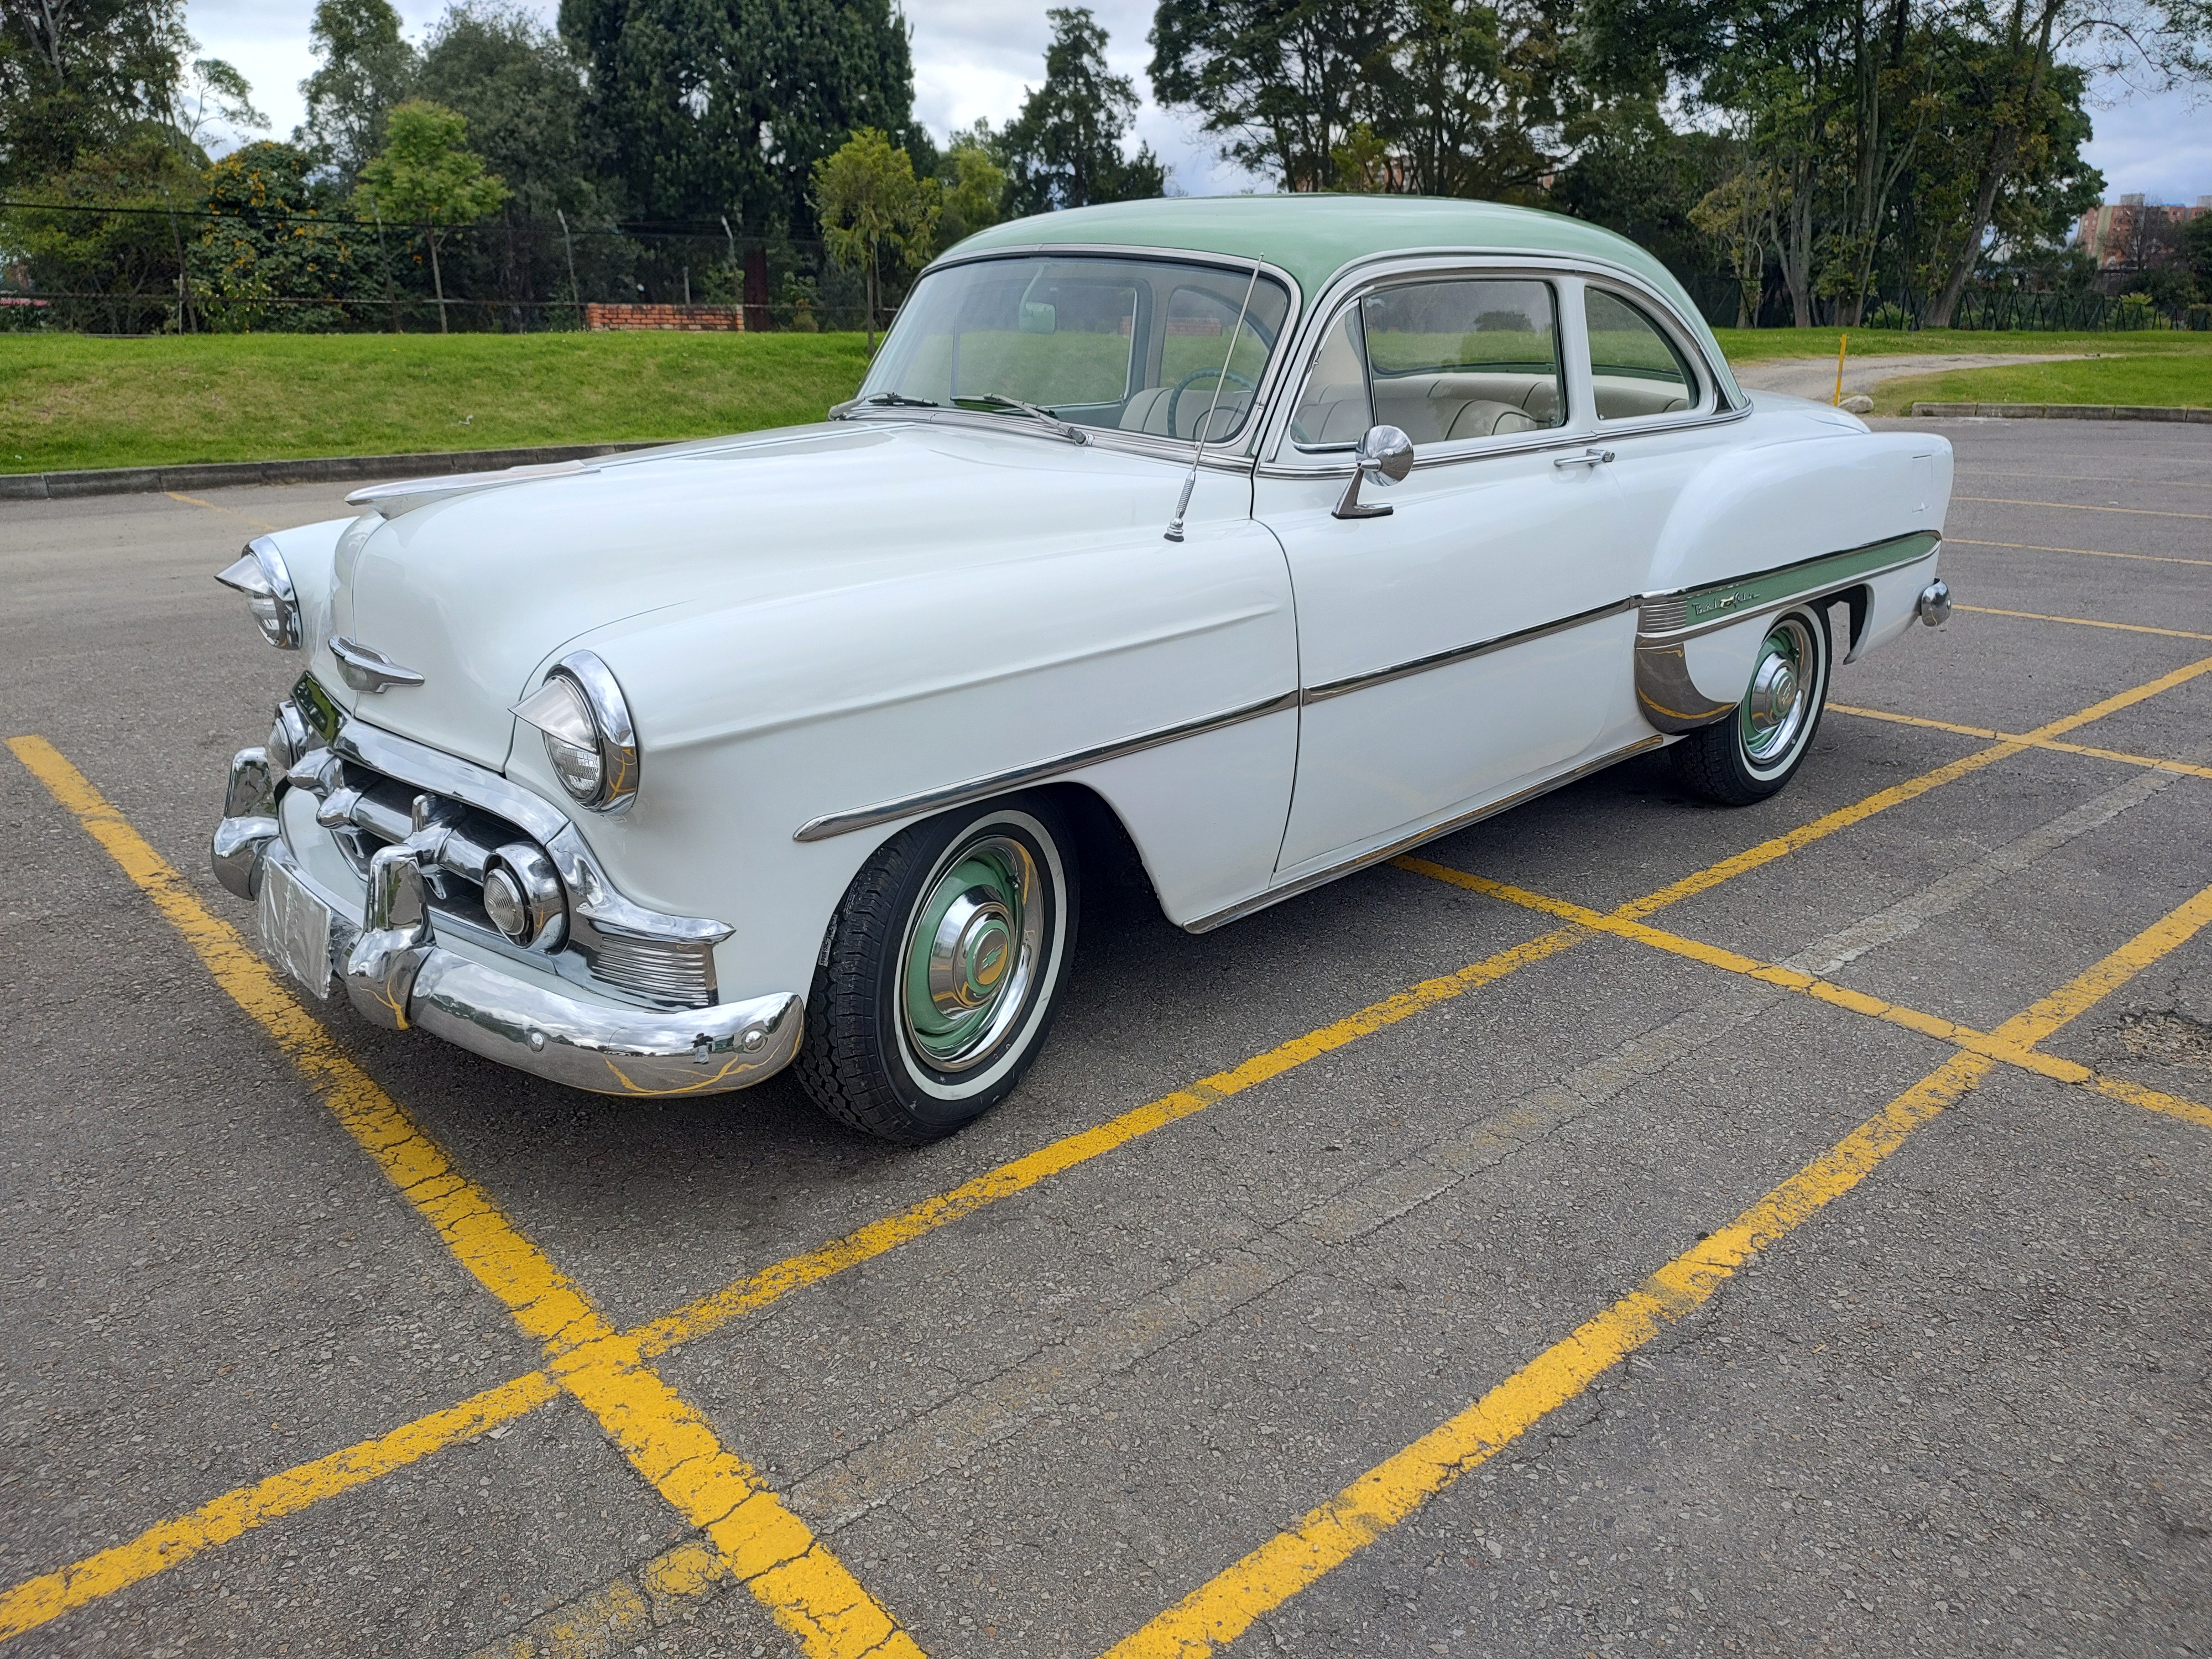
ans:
(369, 671)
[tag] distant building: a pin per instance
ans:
(2133, 234)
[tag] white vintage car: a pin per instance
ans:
(1277, 535)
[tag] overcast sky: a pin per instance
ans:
(973, 57)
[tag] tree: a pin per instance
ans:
(522, 93)
(1063, 149)
(77, 77)
(275, 234)
(713, 107)
(870, 204)
(2164, 41)
(426, 176)
(215, 94)
(1474, 99)
(114, 258)
(972, 183)
(1281, 82)
(366, 67)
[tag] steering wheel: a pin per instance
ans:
(1174, 398)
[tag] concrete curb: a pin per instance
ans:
(2059, 413)
(333, 469)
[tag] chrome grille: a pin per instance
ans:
(1666, 615)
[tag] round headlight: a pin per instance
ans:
(260, 574)
(590, 742)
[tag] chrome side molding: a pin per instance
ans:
(1020, 777)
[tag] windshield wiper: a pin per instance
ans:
(881, 400)
(1067, 430)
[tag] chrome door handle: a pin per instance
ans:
(1588, 458)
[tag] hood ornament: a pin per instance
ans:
(369, 671)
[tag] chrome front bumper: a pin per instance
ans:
(396, 975)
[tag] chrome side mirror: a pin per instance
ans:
(1385, 456)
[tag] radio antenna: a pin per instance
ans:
(1175, 525)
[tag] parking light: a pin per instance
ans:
(259, 572)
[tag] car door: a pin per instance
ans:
(1479, 637)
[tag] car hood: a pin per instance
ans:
(477, 591)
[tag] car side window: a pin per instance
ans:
(1466, 358)
(1335, 411)
(1635, 369)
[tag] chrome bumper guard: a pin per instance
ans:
(398, 975)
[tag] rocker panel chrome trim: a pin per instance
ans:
(1020, 777)
(1306, 884)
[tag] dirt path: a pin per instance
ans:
(1815, 377)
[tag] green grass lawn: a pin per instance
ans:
(1752, 345)
(2168, 381)
(68, 402)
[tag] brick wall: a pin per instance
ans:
(727, 319)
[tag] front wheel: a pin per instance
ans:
(942, 971)
(1750, 755)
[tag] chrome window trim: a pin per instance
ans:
(948, 796)
(1405, 670)
(1351, 281)
(1306, 884)
(1425, 456)
(1142, 443)
(1443, 450)
(1710, 400)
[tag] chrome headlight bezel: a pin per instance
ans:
(581, 709)
(260, 574)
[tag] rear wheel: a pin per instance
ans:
(1752, 753)
(942, 971)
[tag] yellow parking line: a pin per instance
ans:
(712, 1311)
(2075, 506)
(807, 1589)
(2183, 767)
(2083, 622)
(2075, 478)
(194, 500)
(173, 1542)
(2013, 1052)
(1226, 1606)
(2086, 552)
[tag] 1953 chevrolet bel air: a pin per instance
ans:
(1283, 533)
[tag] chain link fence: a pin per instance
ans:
(140, 268)
(149, 269)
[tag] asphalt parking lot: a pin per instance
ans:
(1628, 1227)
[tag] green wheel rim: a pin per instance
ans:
(970, 953)
(1773, 715)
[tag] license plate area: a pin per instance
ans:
(296, 928)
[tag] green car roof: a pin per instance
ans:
(1313, 237)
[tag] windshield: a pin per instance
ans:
(1130, 345)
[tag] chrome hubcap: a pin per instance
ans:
(971, 952)
(1774, 709)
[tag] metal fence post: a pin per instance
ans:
(575, 295)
